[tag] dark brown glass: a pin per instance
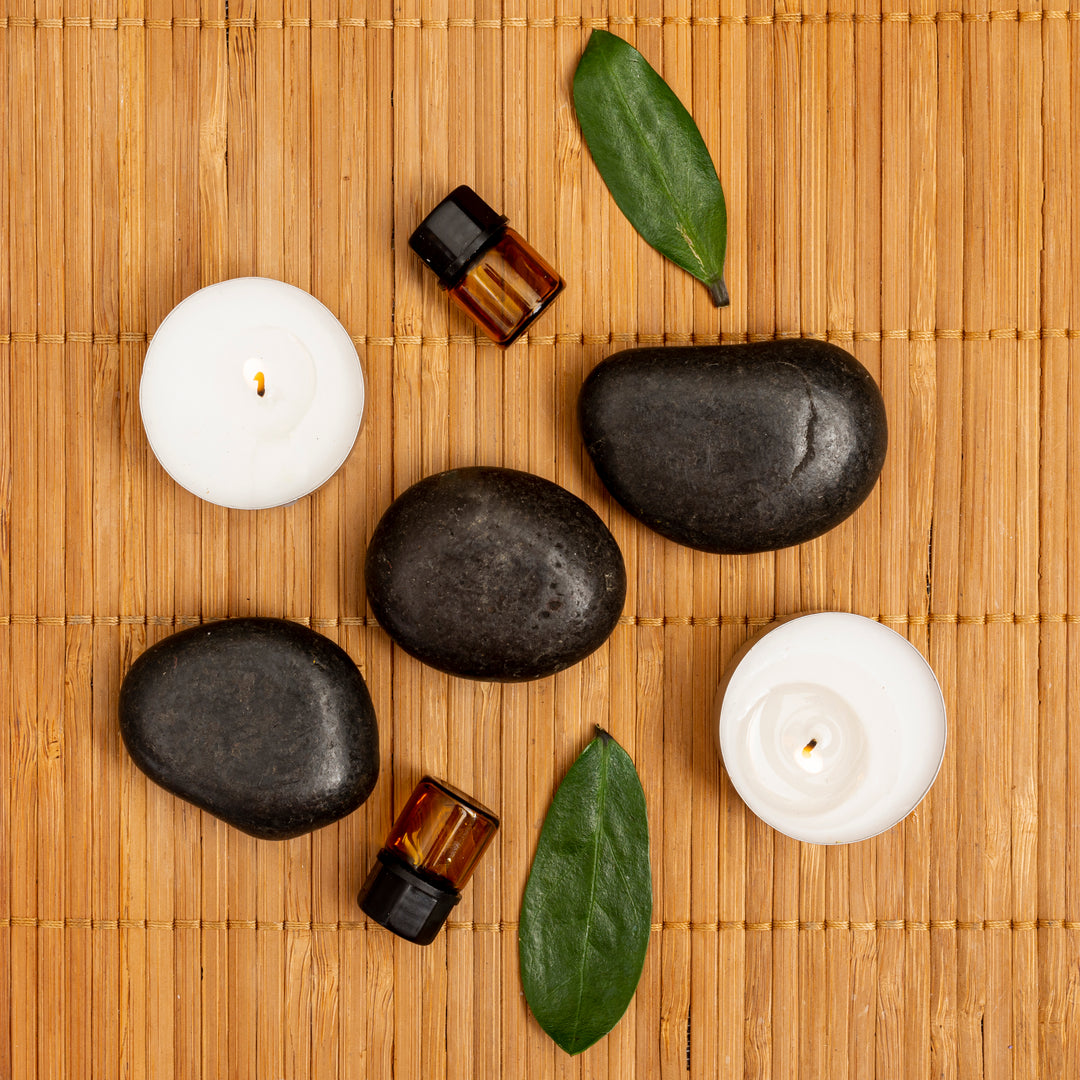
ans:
(441, 832)
(506, 288)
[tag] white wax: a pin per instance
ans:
(831, 727)
(206, 421)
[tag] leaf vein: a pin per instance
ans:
(591, 906)
(681, 220)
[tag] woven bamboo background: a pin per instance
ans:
(900, 178)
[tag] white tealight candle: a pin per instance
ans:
(831, 727)
(251, 393)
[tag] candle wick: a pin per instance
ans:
(808, 747)
(260, 383)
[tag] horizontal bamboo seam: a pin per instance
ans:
(734, 337)
(1009, 618)
(550, 22)
(506, 925)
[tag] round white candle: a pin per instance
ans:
(831, 727)
(251, 394)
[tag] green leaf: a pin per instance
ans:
(652, 158)
(586, 914)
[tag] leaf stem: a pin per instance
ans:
(718, 292)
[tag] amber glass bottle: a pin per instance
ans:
(489, 270)
(428, 857)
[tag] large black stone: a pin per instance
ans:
(262, 722)
(491, 573)
(736, 448)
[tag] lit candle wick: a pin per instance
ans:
(260, 383)
(808, 747)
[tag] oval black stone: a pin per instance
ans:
(736, 448)
(262, 722)
(491, 573)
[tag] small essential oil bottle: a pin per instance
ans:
(488, 269)
(428, 857)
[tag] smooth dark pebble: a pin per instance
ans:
(261, 722)
(492, 573)
(736, 448)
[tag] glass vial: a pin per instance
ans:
(488, 269)
(428, 857)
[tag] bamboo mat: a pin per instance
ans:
(901, 179)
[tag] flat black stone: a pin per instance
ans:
(262, 722)
(494, 574)
(736, 448)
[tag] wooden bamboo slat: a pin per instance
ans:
(899, 179)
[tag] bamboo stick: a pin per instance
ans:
(273, 1036)
(761, 291)
(49, 524)
(899, 967)
(463, 1024)
(706, 990)
(1002, 556)
(1072, 817)
(608, 247)
(972, 638)
(434, 106)
(162, 809)
(918, 831)
(1070, 939)
(185, 537)
(678, 564)
(869, 531)
(527, 708)
(376, 1034)
(241, 870)
(133, 536)
(8, 94)
(833, 1011)
(408, 445)
(556, 710)
(320, 561)
(8, 990)
(814, 1030)
(652, 1054)
(839, 248)
(840, 570)
(732, 862)
(308, 1042)
(1024, 683)
(104, 1015)
(213, 554)
(945, 552)
(787, 212)
(25, 737)
(302, 1049)
(346, 1053)
(501, 1012)
(733, 596)
(547, 740)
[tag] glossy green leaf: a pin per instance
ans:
(652, 158)
(586, 914)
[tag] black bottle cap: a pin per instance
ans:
(413, 907)
(461, 227)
